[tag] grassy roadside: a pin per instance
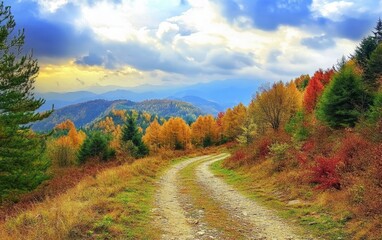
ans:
(114, 204)
(214, 215)
(313, 218)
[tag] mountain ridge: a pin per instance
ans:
(83, 114)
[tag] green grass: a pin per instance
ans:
(314, 219)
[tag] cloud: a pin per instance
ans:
(318, 42)
(268, 15)
(90, 60)
(225, 59)
(190, 41)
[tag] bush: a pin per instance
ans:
(279, 151)
(350, 151)
(62, 155)
(324, 173)
(263, 147)
(96, 145)
(239, 158)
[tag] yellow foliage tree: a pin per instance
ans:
(204, 131)
(120, 113)
(274, 106)
(152, 137)
(108, 126)
(176, 134)
(63, 150)
(233, 121)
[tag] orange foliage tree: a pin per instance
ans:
(204, 131)
(233, 121)
(63, 150)
(175, 134)
(108, 126)
(152, 137)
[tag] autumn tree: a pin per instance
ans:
(344, 100)
(152, 137)
(20, 148)
(316, 87)
(63, 150)
(233, 121)
(204, 131)
(176, 134)
(302, 81)
(108, 126)
(274, 106)
(249, 131)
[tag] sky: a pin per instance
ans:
(88, 44)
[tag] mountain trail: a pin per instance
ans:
(173, 216)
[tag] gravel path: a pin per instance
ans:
(173, 219)
(265, 224)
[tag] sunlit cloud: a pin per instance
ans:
(125, 43)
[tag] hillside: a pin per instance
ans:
(85, 113)
(208, 107)
(211, 97)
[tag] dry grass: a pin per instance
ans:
(96, 201)
(75, 211)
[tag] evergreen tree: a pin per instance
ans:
(96, 145)
(364, 50)
(343, 100)
(373, 73)
(133, 138)
(20, 148)
(378, 32)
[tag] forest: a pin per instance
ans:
(316, 138)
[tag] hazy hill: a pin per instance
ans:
(208, 107)
(85, 113)
(211, 97)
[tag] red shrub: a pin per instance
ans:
(263, 146)
(325, 173)
(238, 156)
(350, 151)
(302, 158)
(308, 146)
(238, 159)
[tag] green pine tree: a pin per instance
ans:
(378, 32)
(133, 138)
(21, 167)
(343, 100)
(363, 51)
(96, 145)
(373, 73)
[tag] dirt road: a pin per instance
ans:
(245, 217)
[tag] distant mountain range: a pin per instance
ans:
(86, 113)
(211, 97)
